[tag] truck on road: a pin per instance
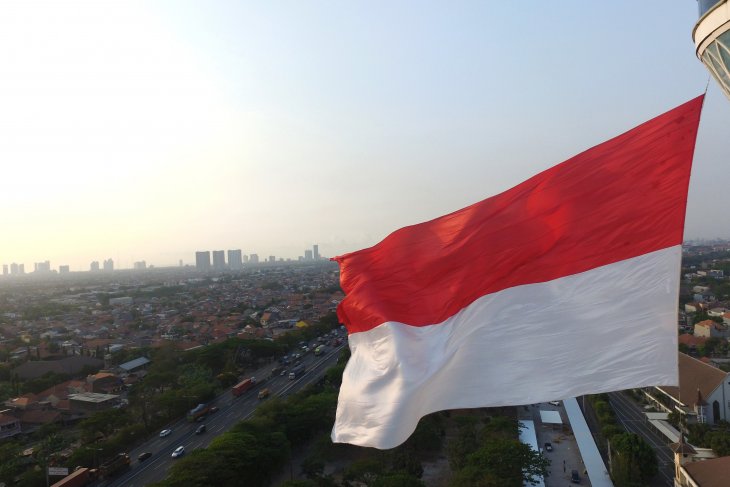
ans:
(199, 412)
(243, 386)
(296, 372)
(78, 478)
(114, 466)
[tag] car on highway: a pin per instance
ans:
(179, 451)
(548, 446)
(200, 430)
(264, 393)
(214, 409)
(164, 433)
(144, 456)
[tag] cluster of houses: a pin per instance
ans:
(703, 397)
(70, 400)
(185, 312)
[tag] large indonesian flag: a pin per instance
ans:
(564, 285)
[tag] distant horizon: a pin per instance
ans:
(190, 261)
(149, 130)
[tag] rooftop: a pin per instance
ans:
(95, 397)
(693, 375)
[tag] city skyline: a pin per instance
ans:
(231, 259)
(144, 132)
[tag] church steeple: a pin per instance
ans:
(683, 453)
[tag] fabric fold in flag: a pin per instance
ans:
(564, 285)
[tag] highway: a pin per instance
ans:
(633, 419)
(232, 410)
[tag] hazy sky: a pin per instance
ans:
(148, 130)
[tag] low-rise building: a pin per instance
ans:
(688, 472)
(710, 329)
(135, 365)
(703, 395)
(91, 402)
(104, 382)
(9, 426)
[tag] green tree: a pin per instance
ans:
(10, 461)
(398, 480)
(633, 454)
(366, 470)
(459, 449)
(300, 483)
(103, 423)
(429, 434)
(235, 458)
(505, 462)
(720, 442)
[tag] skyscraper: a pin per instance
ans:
(94, 267)
(307, 255)
(202, 260)
(234, 259)
(254, 259)
(109, 265)
(63, 269)
(5, 270)
(219, 259)
(315, 250)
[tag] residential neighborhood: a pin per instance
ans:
(80, 349)
(73, 346)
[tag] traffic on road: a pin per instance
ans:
(157, 455)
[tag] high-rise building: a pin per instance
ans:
(712, 40)
(63, 269)
(254, 258)
(315, 250)
(234, 259)
(14, 269)
(94, 267)
(21, 269)
(307, 255)
(5, 270)
(42, 267)
(140, 265)
(245, 259)
(202, 260)
(272, 259)
(219, 259)
(109, 265)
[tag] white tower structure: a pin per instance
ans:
(712, 40)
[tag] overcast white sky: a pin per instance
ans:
(148, 130)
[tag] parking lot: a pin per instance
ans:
(565, 456)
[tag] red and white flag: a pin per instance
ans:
(564, 285)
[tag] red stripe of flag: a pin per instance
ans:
(623, 198)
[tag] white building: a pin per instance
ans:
(703, 395)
